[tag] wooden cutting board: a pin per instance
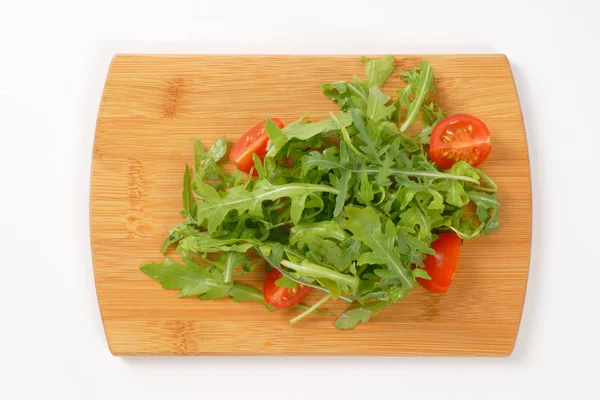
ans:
(153, 109)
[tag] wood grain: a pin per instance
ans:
(154, 108)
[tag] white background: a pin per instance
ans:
(54, 57)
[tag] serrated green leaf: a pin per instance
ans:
(379, 70)
(488, 209)
(299, 234)
(377, 109)
(351, 318)
(420, 273)
(233, 260)
(215, 206)
(303, 131)
(420, 81)
(193, 279)
(366, 226)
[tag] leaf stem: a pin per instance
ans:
(358, 92)
(300, 281)
(317, 271)
(422, 91)
(227, 275)
(311, 309)
(345, 134)
(435, 175)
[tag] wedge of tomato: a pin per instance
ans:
(442, 265)
(282, 297)
(252, 142)
(459, 137)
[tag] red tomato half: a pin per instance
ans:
(253, 142)
(442, 264)
(459, 137)
(282, 297)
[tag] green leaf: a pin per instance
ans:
(214, 154)
(332, 286)
(379, 70)
(419, 220)
(196, 280)
(307, 269)
(204, 242)
(366, 189)
(343, 192)
(454, 192)
(215, 206)
(370, 148)
(347, 95)
(488, 210)
(189, 205)
(177, 233)
(284, 282)
(303, 131)
(377, 109)
(320, 230)
(350, 254)
(233, 260)
(351, 318)
(430, 115)
(278, 140)
(420, 81)
(241, 293)
(366, 226)
(420, 273)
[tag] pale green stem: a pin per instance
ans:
(345, 134)
(311, 309)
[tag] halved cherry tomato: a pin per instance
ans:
(441, 265)
(253, 142)
(282, 297)
(459, 137)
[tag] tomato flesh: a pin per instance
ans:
(252, 142)
(459, 137)
(282, 297)
(441, 265)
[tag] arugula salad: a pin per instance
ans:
(350, 206)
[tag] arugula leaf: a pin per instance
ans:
(430, 115)
(379, 70)
(204, 242)
(196, 280)
(351, 318)
(177, 233)
(214, 154)
(419, 85)
(285, 282)
(302, 131)
(376, 105)
(215, 206)
(189, 206)
(233, 259)
(366, 226)
(307, 269)
(301, 233)
(488, 210)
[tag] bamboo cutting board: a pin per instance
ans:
(153, 109)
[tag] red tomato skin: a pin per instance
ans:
(282, 297)
(252, 142)
(442, 265)
(459, 137)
